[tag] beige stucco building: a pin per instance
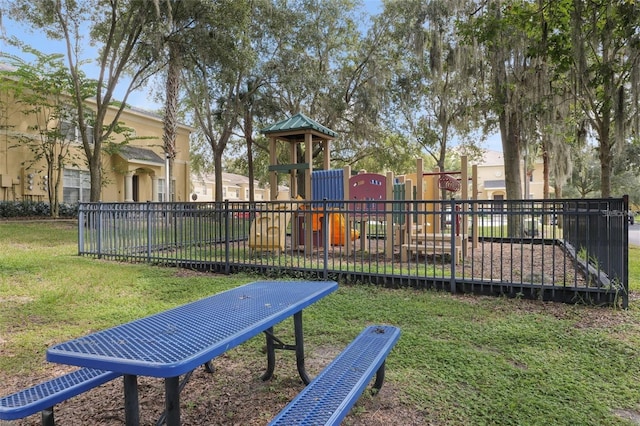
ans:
(234, 188)
(491, 183)
(134, 172)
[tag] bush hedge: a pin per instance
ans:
(16, 209)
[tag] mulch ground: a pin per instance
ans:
(232, 395)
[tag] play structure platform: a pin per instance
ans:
(268, 231)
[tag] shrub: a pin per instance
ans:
(17, 209)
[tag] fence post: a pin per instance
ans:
(99, 230)
(625, 253)
(327, 243)
(227, 266)
(81, 229)
(149, 234)
(454, 221)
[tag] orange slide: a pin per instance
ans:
(338, 226)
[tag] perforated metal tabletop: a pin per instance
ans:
(177, 341)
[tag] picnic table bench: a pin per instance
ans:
(330, 396)
(44, 396)
(175, 342)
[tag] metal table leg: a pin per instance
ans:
(131, 405)
(172, 400)
(274, 343)
(271, 355)
(297, 324)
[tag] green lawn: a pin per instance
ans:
(634, 268)
(461, 360)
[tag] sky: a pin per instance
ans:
(143, 98)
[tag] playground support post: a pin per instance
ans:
(388, 220)
(474, 188)
(349, 217)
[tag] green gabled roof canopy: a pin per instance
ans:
(295, 127)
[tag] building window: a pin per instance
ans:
(161, 190)
(71, 131)
(77, 186)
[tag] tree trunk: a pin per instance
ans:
(218, 150)
(170, 121)
(509, 130)
(605, 156)
(52, 188)
(248, 133)
(95, 171)
(558, 190)
(217, 165)
(545, 168)
(604, 135)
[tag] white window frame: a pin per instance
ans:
(161, 190)
(76, 186)
(72, 131)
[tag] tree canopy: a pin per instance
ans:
(558, 80)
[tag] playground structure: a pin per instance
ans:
(268, 230)
(366, 193)
(337, 228)
(426, 236)
(293, 131)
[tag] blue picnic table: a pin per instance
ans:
(177, 341)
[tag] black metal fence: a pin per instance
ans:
(573, 251)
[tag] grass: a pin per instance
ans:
(634, 268)
(461, 359)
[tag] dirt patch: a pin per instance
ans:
(632, 416)
(16, 299)
(232, 395)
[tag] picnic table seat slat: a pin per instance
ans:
(45, 395)
(330, 396)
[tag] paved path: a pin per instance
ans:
(634, 234)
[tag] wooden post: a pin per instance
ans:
(273, 176)
(388, 220)
(464, 180)
(293, 173)
(308, 156)
(474, 190)
(327, 155)
(420, 191)
(348, 216)
(408, 225)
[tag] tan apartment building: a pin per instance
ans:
(135, 172)
(491, 182)
(234, 188)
